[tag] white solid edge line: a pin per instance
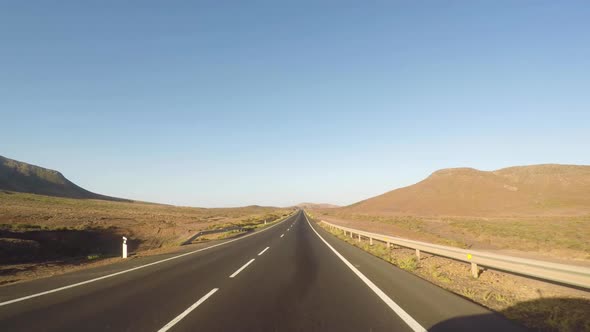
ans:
(412, 323)
(187, 311)
(243, 267)
(130, 270)
(262, 252)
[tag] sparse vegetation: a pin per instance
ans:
(407, 263)
(468, 292)
(53, 224)
(216, 236)
(550, 233)
(538, 305)
(250, 223)
(559, 237)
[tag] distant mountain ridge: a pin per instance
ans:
(548, 189)
(307, 205)
(22, 177)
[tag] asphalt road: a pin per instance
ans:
(293, 276)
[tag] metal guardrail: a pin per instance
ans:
(561, 273)
(232, 228)
(212, 231)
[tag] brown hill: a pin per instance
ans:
(22, 177)
(524, 190)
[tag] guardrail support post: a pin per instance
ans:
(370, 241)
(359, 238)
(124, 255)
(418, 253)
(474, 270)
(388, 245)
(351, 234)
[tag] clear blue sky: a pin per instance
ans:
(273, 103)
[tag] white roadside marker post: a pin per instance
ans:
(124, 247)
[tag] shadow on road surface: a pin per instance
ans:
(545, 314)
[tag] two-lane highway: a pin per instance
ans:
(293, 276)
